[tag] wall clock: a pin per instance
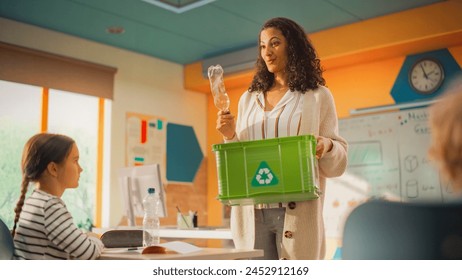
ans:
(426, 75)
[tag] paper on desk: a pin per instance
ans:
(180, 247)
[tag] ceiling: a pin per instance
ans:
(215, 28)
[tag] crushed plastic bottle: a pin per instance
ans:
(220, 97)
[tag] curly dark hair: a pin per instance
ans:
(303, 67)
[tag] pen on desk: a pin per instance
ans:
(134, 248)
(184, 220)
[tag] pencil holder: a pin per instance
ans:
(184, 221)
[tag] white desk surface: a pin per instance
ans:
(205, 254)
(173, 232)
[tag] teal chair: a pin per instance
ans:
(6, 242)
(384, 230)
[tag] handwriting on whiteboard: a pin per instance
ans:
(387, 158)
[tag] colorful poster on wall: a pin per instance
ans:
(146, 137)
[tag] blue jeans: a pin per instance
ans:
(269, 226)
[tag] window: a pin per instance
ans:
(26, 110)
(19, 120)
(75, 115)
(80, 122)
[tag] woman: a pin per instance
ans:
(287, 97)
(43, 227)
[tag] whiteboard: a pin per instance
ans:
(387, 158)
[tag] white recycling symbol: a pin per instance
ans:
(264, 181)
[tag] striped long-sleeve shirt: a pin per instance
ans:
(46, 230)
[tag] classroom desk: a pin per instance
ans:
(173, 232)
(204, 233)
(205, 254)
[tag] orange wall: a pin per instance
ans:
(368, 84)
(361, 60)
(363, 85)
(457, 53)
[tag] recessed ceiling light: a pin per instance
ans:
(115, 30)
(179, 6)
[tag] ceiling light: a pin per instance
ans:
(115, 30)
(178, 6)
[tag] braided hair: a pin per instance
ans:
(303, 66)
(40, 150)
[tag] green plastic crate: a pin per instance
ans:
(267, 171)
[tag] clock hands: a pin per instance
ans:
(423, 70)
(431, 74)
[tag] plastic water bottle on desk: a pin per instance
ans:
(151, 222)
(220, 97)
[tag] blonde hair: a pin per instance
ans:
(446, 125)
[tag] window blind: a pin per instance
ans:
(34, 67)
